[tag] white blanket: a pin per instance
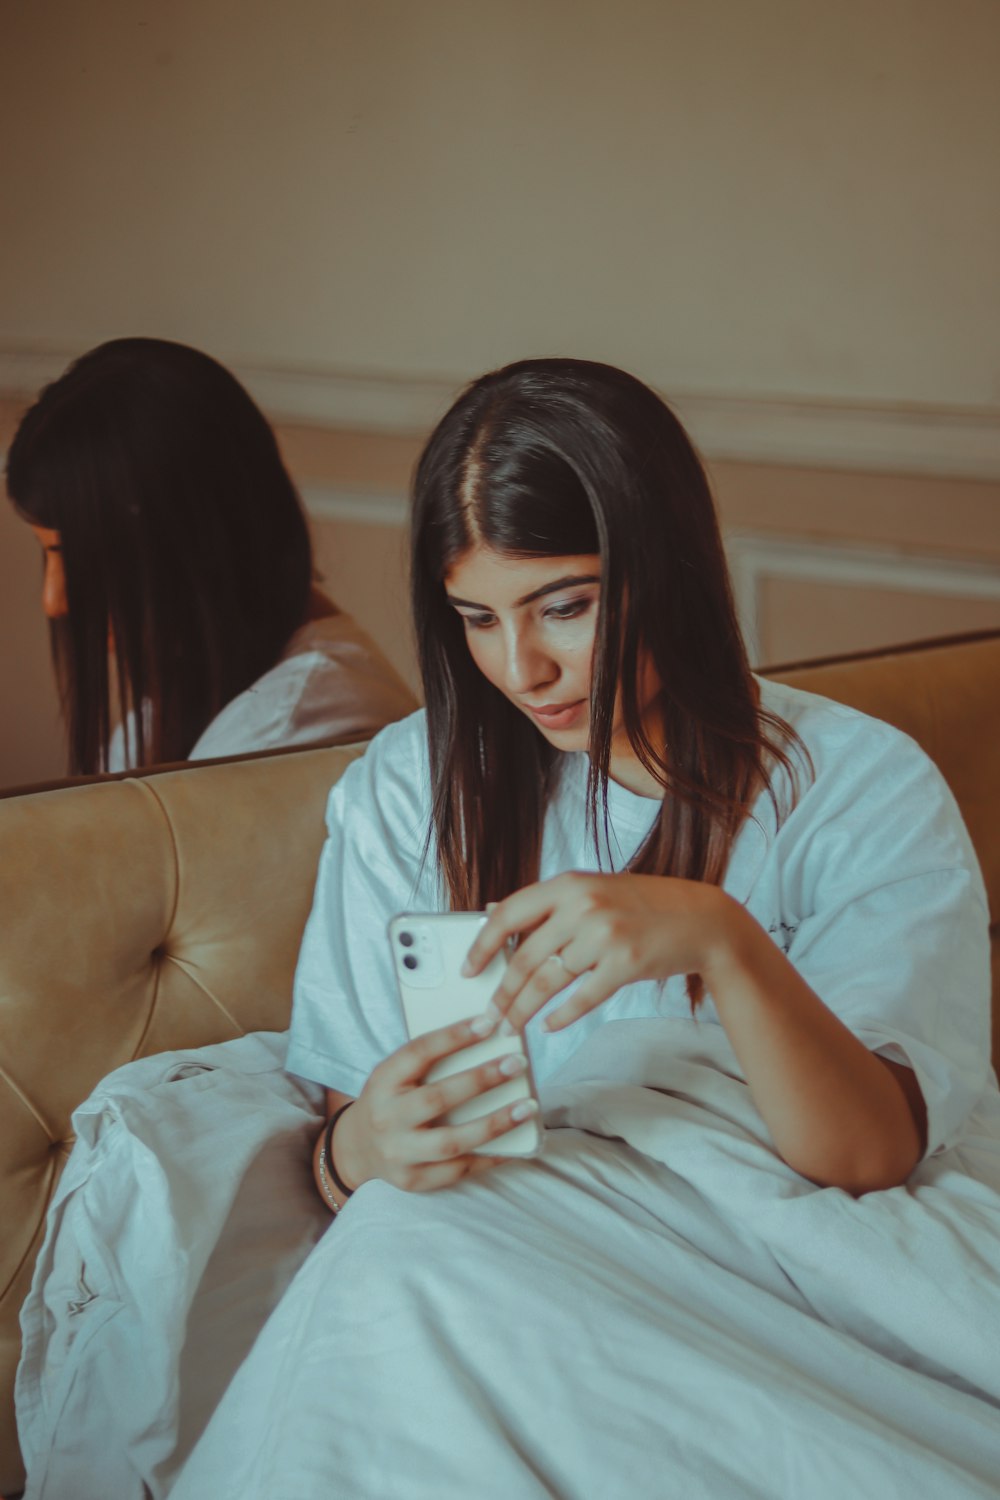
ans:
(184, 1211)
(658, 1306)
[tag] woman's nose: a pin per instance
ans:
(528, 667)
(54, 587)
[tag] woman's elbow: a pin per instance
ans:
(873, 1168)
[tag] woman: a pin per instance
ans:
(752, 964)
(179, 571)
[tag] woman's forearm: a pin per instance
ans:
(834, 1109)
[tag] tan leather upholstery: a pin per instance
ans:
(166, 911)
(138, 916)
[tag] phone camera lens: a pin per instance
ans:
(406, 939)
(409, 961)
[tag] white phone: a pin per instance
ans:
(428, 950)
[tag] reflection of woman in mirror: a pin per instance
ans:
(179, 570)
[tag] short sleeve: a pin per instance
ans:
(115, 760)
(346, 1015)
(890, 922)
(311, 696)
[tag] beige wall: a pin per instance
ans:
(364, 569)
(798, 619)
(773, 197)
(789, 210)
(31, 743)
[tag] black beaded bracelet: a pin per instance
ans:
(328, 1149)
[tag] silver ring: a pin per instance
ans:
(558, 958)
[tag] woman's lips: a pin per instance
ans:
(558, 716)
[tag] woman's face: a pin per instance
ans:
(54, 582)
(530, 624)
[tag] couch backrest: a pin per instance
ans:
(165, 912)
(947, 697)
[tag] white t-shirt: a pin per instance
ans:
(331, 681)
(870, 886)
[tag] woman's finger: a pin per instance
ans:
(448, 1142)
(554, 971)
(481, 1163)
(410, 1063)
(445, 1174)
(546, 981)
(592, 991)
(437, 1175)
(521, 912)
(429, 1101)
(531, 956)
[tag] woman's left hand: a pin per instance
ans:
(606, 931)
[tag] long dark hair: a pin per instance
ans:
(563, 457)
(182, 537)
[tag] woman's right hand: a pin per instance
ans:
(393, 1129)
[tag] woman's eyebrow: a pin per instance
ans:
(547, 588)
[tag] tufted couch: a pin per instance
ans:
(164, 910)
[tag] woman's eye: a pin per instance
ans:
(477, 622)
(571, 610)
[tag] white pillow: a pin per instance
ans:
(185, 1210)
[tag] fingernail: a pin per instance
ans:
(490, 905)
(524, 1110)
(466, 969)
(483, 1025)
(513, 1063)
(506, 1029)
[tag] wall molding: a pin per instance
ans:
(878, 437)
(754, 557)
(955, 442)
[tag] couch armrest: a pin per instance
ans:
(139, 915)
